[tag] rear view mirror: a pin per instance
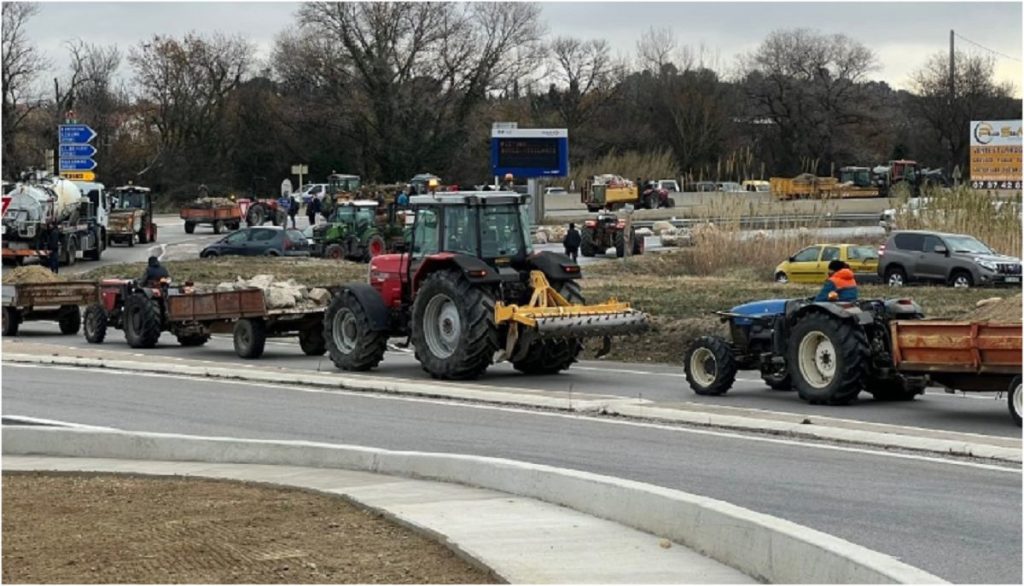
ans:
(792, 259)
(940, 249)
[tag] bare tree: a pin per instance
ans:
(587, 76)
(22, 64)
(808, 86)
(977, 95)
(656, 49)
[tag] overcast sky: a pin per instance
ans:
(902, 34)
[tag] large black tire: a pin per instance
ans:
(131, 241)
(334, 252)
(280, 218)
(348, 333)
(896, 388)
(71, 251)
(312, 342)
(194, 340)
(250, 336)
(620, 243)
(639, 245)
(190, 227)
(554, 355)
(375, 246)
(142, 324)
(95, 324)
(587, 247)
(218, 227)
(255, 216)
(97, 251)
(961, 279)
(70, 320)
(828, 359)
(710, 365)
(1013, 400)
(10, 321)
(143, 236)
(461, 338)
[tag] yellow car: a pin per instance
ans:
(810, 265)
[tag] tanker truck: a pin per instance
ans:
(33, 205)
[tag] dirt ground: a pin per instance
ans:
(102, 528)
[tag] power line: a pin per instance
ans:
(980, 46)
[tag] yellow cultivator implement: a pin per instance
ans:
(550, 315)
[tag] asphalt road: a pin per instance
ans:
(961, 521)
(972, 413)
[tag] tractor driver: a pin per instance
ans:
(840, 285)
(154, 272)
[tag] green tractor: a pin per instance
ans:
(358, 231)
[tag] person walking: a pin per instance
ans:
(312, 209)
(293, 208)
(53, 246)
(572, 242)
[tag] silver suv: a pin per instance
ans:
(958, 260)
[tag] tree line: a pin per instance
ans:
(390, 89)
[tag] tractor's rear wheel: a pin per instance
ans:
(351, 341)
(70, 320)
(255, 216)
(11, 321)
(555, 355)
(142, 321)
(250, 338)
(375, 246)
(453, 327)
(587, 247)
(828, 358)
(312, 342)
(710, 366)
(95, 324)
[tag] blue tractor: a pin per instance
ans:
(827, 351)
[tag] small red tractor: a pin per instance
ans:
(607, 231)
(470, 291)
(141, 311)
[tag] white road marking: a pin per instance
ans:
(57, 422)
(571, 416)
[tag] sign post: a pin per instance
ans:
(996, 149)
(300, 170)
(75, 153)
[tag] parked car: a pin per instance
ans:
(312, 190)
(913, 207)
(555, 191)
(757, 185)
(259, 241)
(670, 185)
(810, 265)
(959, 260)
(703, 186)
(728, 186)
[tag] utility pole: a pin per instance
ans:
(952, 70)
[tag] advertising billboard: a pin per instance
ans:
(996, 147)
(530, 152)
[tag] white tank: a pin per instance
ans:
(31, 202)
(69, 196)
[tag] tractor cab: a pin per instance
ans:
(858, 176)
(132, 197)
(338, 184)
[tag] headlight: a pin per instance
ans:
(987, 264)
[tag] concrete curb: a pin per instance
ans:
(644, 409)
(764, 547)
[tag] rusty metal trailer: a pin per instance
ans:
(962, 356)
(244, 314)
(220, 217)
(58, 302)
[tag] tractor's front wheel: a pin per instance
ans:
(587, 247)
(95, 324)
(710, 366)
(453, 327)
(142, 321)
(351, 341)
(553, 356)
(828, 358)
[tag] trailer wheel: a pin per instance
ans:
(95, 324)
(351, 341)
(70, 320)
(1013, 400)
(193, 340)
(312, 342)
(218, 227)
(11, 321)
(710, 366)
(190, 227)
(250, 338)
(829, 359)
(453, 328)
(142, 323)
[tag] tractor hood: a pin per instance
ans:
(764, 307)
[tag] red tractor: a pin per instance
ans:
(469, 292)
(141, 311)
(607, 231)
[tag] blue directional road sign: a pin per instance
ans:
(77, 164)
(76, 134)
(77, 150)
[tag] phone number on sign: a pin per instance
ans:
(996, 184)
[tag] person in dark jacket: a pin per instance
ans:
(53, 246)
(154, 272)
(293, 209)
(572, 242)
(312, 209)
(840, 285)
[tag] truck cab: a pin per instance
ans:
(97, 195)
